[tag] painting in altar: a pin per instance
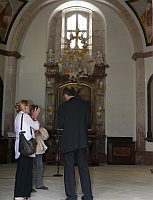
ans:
(143, 10)
(83, 91)
(9, 9)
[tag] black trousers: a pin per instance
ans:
(23, 178)
(79, 156)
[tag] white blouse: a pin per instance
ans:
(26, 124)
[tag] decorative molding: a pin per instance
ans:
(52, 70)
(142, 55)
(99, 70)
(10, 53)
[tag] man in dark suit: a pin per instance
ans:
(74, 118)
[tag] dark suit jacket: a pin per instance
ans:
(74, 117)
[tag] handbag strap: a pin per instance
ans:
(31, 130)
(22, 122)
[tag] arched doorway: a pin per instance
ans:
(150, 109)
(1, 104)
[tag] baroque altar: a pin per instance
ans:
(76, 67)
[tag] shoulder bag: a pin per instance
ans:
(26, 147)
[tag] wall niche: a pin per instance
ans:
(83, 67)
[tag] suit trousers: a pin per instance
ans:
(39, 168)
(78, 156)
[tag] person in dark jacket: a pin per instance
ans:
(74, 118)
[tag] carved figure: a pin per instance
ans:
(50, 55)
(101, 87)
(84, 73)
(90, 67)
(60, 65)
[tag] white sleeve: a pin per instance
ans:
(34, 124)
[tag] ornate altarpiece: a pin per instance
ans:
(91, 89)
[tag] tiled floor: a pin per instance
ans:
(109, 182)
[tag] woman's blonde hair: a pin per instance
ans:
(21, 105)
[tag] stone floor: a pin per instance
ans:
(109, 182)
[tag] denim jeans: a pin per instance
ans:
(39, 168)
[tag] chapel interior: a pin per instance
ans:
(104, 49)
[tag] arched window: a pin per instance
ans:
(76, 22)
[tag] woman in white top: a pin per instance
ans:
(23, 179)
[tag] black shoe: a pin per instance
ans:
(43, 188)
(33, 190)
(83, 198)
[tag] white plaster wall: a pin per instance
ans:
(148, 67)
(32, 81)
(120, 82)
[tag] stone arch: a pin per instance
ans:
(15, 43)
(37, 6)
